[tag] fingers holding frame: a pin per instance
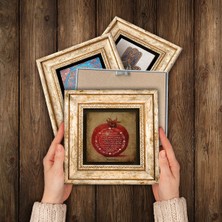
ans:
(166, 145)
(49, 158)
(59, 136)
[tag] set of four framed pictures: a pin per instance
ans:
(122, 46)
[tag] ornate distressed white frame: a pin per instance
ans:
(147, 172)
(167, 50)
(48, 65)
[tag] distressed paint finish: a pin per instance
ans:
(147, 172)
(48, 65)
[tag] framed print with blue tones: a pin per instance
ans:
(58, 70)
(67, 75)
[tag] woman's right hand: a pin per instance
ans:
(169, 181)
(55, 191)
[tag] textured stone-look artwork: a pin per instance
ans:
(150, 52)
(58, 70)
(111, 136)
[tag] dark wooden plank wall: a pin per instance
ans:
(31, 29)
(9, 99)
(208, 110)
(37, 38)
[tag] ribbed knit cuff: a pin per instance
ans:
(174, 210)
(42, 212)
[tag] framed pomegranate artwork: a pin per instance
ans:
(111, 136)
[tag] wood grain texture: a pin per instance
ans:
(76, 24)
(175, 23)
(208, 110)
(113, 203)
(37, 39)
(195, 102)
(108, 9)
(145, 15)
(9, 77)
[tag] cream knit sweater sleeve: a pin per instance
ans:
(174, 210)
(48, 212)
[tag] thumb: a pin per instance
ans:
(164, 164)
(59, 157)
(155, 188)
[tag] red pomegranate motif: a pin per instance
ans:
(110, 138)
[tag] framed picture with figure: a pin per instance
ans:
(140, 49)
(111, 136)
(58, 71)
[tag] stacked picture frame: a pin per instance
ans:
(111, 133)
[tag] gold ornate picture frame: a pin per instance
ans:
(58, 70)
(140, 49)
(111, 136)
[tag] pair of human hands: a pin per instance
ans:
(56, 192)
